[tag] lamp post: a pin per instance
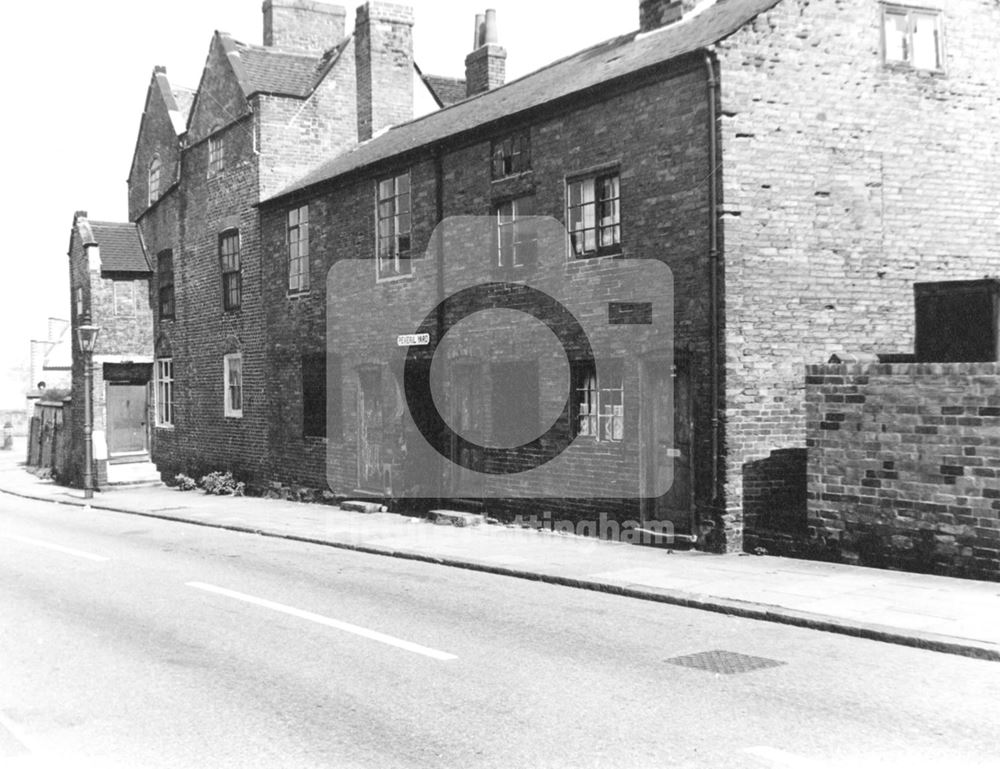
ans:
(87, 335)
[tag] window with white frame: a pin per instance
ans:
(598, 405)
(232, 278)
(393, 247)
(593, 214)
(298, 249)
(233, 382)
(153, 187)
(912, 37)
(216, 154)
(517, 238)
(164, 392)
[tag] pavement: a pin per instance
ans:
(943, 614)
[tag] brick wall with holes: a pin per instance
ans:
(661, 154)
(903, 466)
(845, 180)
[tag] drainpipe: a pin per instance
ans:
(439, 256)
(713, 265)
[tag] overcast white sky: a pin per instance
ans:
(74, 80)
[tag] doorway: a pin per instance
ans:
(127, 410)
(667, 442)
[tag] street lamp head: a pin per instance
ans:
(88, 337)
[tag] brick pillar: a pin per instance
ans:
(384, 66)
(302, 25)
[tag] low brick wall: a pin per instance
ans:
(904, 465)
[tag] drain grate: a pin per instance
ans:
(727, 663)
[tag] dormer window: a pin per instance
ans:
(911, 37)
(154, 180)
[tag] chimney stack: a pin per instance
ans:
(654, 14)
(486, 66)
(302, 25)
(383, 44)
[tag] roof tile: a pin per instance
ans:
(620, 57)
(121, 249)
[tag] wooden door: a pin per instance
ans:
(371, 431)
(667, 444)
(127, 410)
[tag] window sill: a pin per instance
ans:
(513, 176)
(902, 66)
(394, 278)
(164, 427)
(298, 294)
(619, 254)
(234, 416)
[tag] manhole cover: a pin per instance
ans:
(727, 663)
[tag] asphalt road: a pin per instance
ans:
(131, 642)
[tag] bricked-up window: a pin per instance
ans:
(298, 249)
(164, 392)
(124, 291)
(154, 179)
(232, 279)
(515, 403)
(912, 37)
(598, 406)
(594, 214)
(512, 155)
(394, 226)
(165, 282)
(233, 382)
(314, 395)
(517, 238)
(216, 155)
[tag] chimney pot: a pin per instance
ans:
(486, 66)
(479, 33)
(491, 27)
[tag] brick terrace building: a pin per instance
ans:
(798, 166)
(109, 286)
(260, 118)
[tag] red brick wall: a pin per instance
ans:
(156, 136)
(383, 39)
(279, 142)
(295, 135)
(303, 26)
(844, 183)
(903, 465)
(664, 216)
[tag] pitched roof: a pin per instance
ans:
(447, 90)
(121, 248)
(283, 73)
(620, 57)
